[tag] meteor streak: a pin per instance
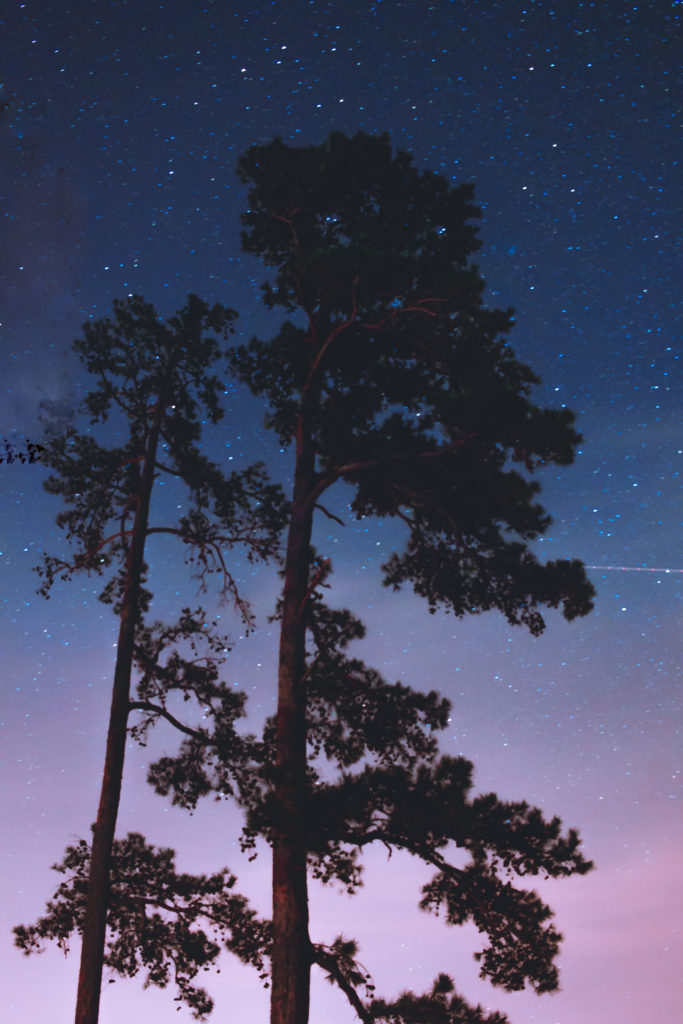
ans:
(631, 568)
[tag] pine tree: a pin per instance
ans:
(395, 378)
(156, 380)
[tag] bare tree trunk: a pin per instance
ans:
(291, 957)
(94, 927)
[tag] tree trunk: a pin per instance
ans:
(94, 927)
(291, 956)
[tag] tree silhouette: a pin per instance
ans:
(155, 378)
(396, 379)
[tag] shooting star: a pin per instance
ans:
(631, 568)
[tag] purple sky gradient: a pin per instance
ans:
(119, 138)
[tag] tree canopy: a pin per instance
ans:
(394, 377)
(405, 379)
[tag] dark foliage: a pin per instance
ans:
(404, 796)
(412, 392)
(179, 668)
(165, 925)
(394, 377)
(440, 1006)
(142, 365)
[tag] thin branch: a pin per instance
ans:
(331, 515)
(229, 585)
(167, 469)
(351, 319)
(401, 515)
(188, 913)
(328, 962)
(112, 392)
(155, 709)
(82, 562)
(314, 583)
(290, 223)
(388, 839)
(417, 307)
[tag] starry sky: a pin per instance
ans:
(120, 127)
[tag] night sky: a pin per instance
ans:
(120, 128)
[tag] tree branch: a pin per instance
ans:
(417, 307)
(330, 515)
(167, 469)
(290, 223)
(229, 585)
(389, 840)
(314, 583)
(73, 566)
(356, 467)
(155, 709)
(329, 963)
(337, 330)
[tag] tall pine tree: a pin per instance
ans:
(157, 380)
(395, 378)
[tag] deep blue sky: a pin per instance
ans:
(119, 133)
